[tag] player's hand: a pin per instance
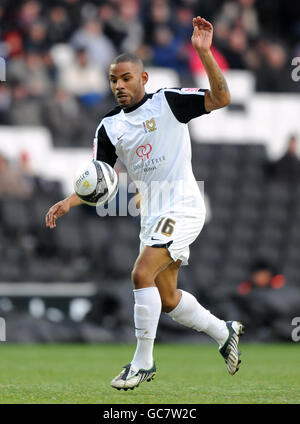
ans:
(202, 35)
(56, 211)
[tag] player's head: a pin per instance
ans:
(127, 79)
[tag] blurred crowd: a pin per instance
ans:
(58, 52)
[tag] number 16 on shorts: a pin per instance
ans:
(166, 226)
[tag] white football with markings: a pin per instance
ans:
(96, 183)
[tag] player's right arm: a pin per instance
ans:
(103, 151)
(61, 208)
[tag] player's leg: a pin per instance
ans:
(184, 308)
(149, 264)
(166, 282)
(147, 306)
(147, 309)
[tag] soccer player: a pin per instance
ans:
(148, 132)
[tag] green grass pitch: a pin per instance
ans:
(193, 374)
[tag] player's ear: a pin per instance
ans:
(145, 77)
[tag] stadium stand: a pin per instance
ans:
(252, 215)
(255, 211)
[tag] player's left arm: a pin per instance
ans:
(218, 96)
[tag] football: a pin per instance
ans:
(96, 183)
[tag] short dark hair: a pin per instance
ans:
(128, 57)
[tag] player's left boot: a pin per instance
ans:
(132, 377)
(229, 350)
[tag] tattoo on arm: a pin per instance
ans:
(219, 91)
(222, 84)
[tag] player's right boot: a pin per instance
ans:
(229, 350)
(132, 377)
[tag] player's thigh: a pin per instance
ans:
(150, 262)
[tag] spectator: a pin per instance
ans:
(236, 48)
(108, 14)
(168, 51)
(14, 44)
(50, 67)
(37, 37)
(25, 110)
(98, 46)
(236, 26)
(262, 276)
(130, 25)
(29, 13)
(31, 70)
(158, 15)
(73, 8)
(184, 17)
(59, 27)
(266, 302)
(61, 116)
(13, 182)
(273, 74)
(84, 80)
(35, 76)
(288, 167)
(241, 12)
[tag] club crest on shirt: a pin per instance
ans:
(149, 125)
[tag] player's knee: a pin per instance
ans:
(168, 303)
(141, 278)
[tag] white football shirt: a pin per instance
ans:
(153, 141)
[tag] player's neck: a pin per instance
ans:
(138, 103)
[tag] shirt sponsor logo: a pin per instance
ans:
(149, 164)
(144, 151)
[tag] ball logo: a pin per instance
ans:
(144, 151)
(81, 178)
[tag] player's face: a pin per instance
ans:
(127, 82)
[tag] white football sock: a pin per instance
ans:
(190, 313)
(147, 311)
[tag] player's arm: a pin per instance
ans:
(61, 208)
(218, 96)
(103, 151)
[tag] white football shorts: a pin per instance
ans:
(175, 232)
